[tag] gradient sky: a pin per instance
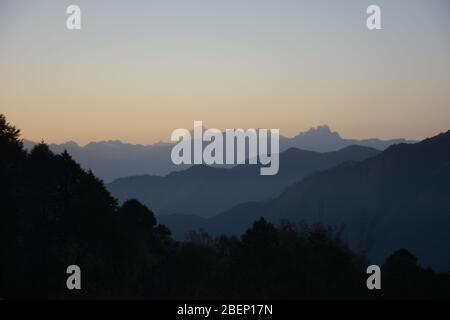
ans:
(139, 69)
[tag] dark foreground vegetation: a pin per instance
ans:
(54, 214)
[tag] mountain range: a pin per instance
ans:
(206, 191)
(110, 160)
(397, 198)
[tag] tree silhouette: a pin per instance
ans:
(404, 278)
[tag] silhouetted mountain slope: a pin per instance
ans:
(400, 198)
(110, 160)
(206, 191)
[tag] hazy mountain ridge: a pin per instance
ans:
(110, 160)
(114, 159)
(322, 139)
(206, 191)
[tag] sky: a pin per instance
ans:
(137, 70)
